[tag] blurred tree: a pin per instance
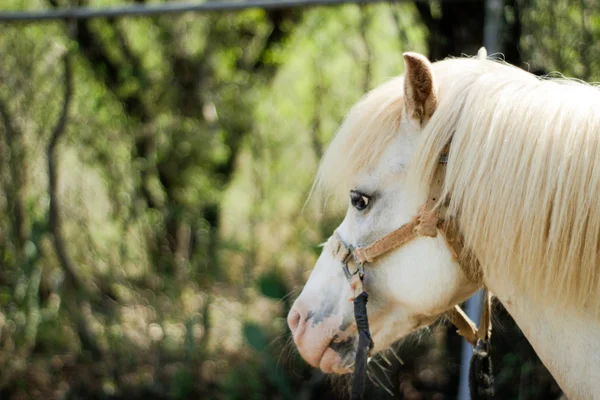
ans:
(511, 38)
(455, 27)
(174, 194)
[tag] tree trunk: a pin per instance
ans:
(512, 33)
(77, 292)
(459, 29)
(456, 31)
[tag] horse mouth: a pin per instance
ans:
(338, 357)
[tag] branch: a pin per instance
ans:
(277, 35)
(134, 61)
(365, 19)
(512, 35)
(94, 50)
(424, 9)
(16, 185)
(7, 119)
(54, 218)
(73, 280)
(107, 71)
(316, 119)
(394, 9)
(92, 47)
(587, 41)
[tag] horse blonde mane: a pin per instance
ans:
(361, 138)
(523, 176)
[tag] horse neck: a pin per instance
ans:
(568, 343)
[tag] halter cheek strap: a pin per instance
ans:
(427, 223)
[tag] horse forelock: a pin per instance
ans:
(361, 139)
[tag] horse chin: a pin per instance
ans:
(333, 362)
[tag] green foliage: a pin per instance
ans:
(189, 152)
(560, 37)
(255, 337)
(244, 382)
(182, 385)
(272, 285)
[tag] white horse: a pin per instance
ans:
(523, 185)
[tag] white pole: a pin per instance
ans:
(473, 310)
(492, 27)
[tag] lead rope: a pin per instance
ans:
(481, 378)
(365, 344)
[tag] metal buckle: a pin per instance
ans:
(347, 272)
(360, 270)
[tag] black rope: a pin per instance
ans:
(481, 379)
(365, 343)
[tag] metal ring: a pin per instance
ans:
(360, 270)
(346, 272)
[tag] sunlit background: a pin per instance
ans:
(154, 236)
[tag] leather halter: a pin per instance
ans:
(428, 223)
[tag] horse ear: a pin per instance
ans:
(420, 91)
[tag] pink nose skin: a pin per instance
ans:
(311, 348)
(313, 340)
(294, 318)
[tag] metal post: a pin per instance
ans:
(140, 10)
(492, 25)
(473, 310)
(492, 28)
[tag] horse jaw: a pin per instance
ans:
(423, 289)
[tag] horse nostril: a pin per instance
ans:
(293, 319)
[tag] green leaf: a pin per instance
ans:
(255, 337)
(272, 285)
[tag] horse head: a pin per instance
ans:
(409, 287)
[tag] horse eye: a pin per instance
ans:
(359, 200)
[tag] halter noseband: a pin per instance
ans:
(427, 223)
